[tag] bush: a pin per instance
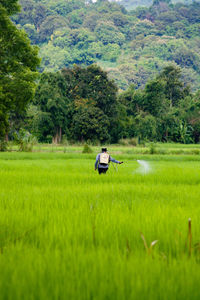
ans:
(3, 145)
(25, 140)
(195, 151)
(128, 142)
(64, 141)
(161, 151)
(142, 143)
(152, 148)
(87, 149)
(123, 142)
(133, 141)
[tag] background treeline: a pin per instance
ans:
(82, 104)
(132, 46)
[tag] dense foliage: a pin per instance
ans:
(18, 62)
(83, 105)
(131, 4)
(131, 45)
(80, 103)
(165, 110)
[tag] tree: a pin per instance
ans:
(55, 58)
(110, 52)
(107, 32)
(145, 126)
(174, 88)
(79, 102)
(90, 20)
(155, 2)
(76, 18)
(191, 112)
(18, 66)
(133, 100)
(119, 19)
(63, 7)
(92, 83)
(31, 13)
(53, 104)
(50, 24)
(25, 16)
(90, 123)
(154, 99)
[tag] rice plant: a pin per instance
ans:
(68, 233)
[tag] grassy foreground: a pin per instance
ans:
(68, 233)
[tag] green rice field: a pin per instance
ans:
(68, 233)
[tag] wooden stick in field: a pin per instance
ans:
(190, 236)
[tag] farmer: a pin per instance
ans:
(102, 161)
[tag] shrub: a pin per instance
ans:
(64, 141)
(161, 151)
(25, 140)
(195, 151)
(133, 141)
(152, 148)
(123, 142)
(127, 142)
(87, 149)
(3, 145)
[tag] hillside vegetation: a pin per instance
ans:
(132, 46)
(131, 4)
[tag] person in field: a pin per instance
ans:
(102, 161)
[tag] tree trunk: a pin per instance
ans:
(171, 104)
(55, 138)
(166, 135)
(58, 136)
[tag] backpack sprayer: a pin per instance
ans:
(104, 159)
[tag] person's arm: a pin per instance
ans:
(96, 162)
(115, 161)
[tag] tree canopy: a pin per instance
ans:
(82, 104)
(18, 66)
(143, 40)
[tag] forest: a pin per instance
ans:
(132, 46)
(105, 73)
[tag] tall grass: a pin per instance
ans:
(68, 233)
(128, 148)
